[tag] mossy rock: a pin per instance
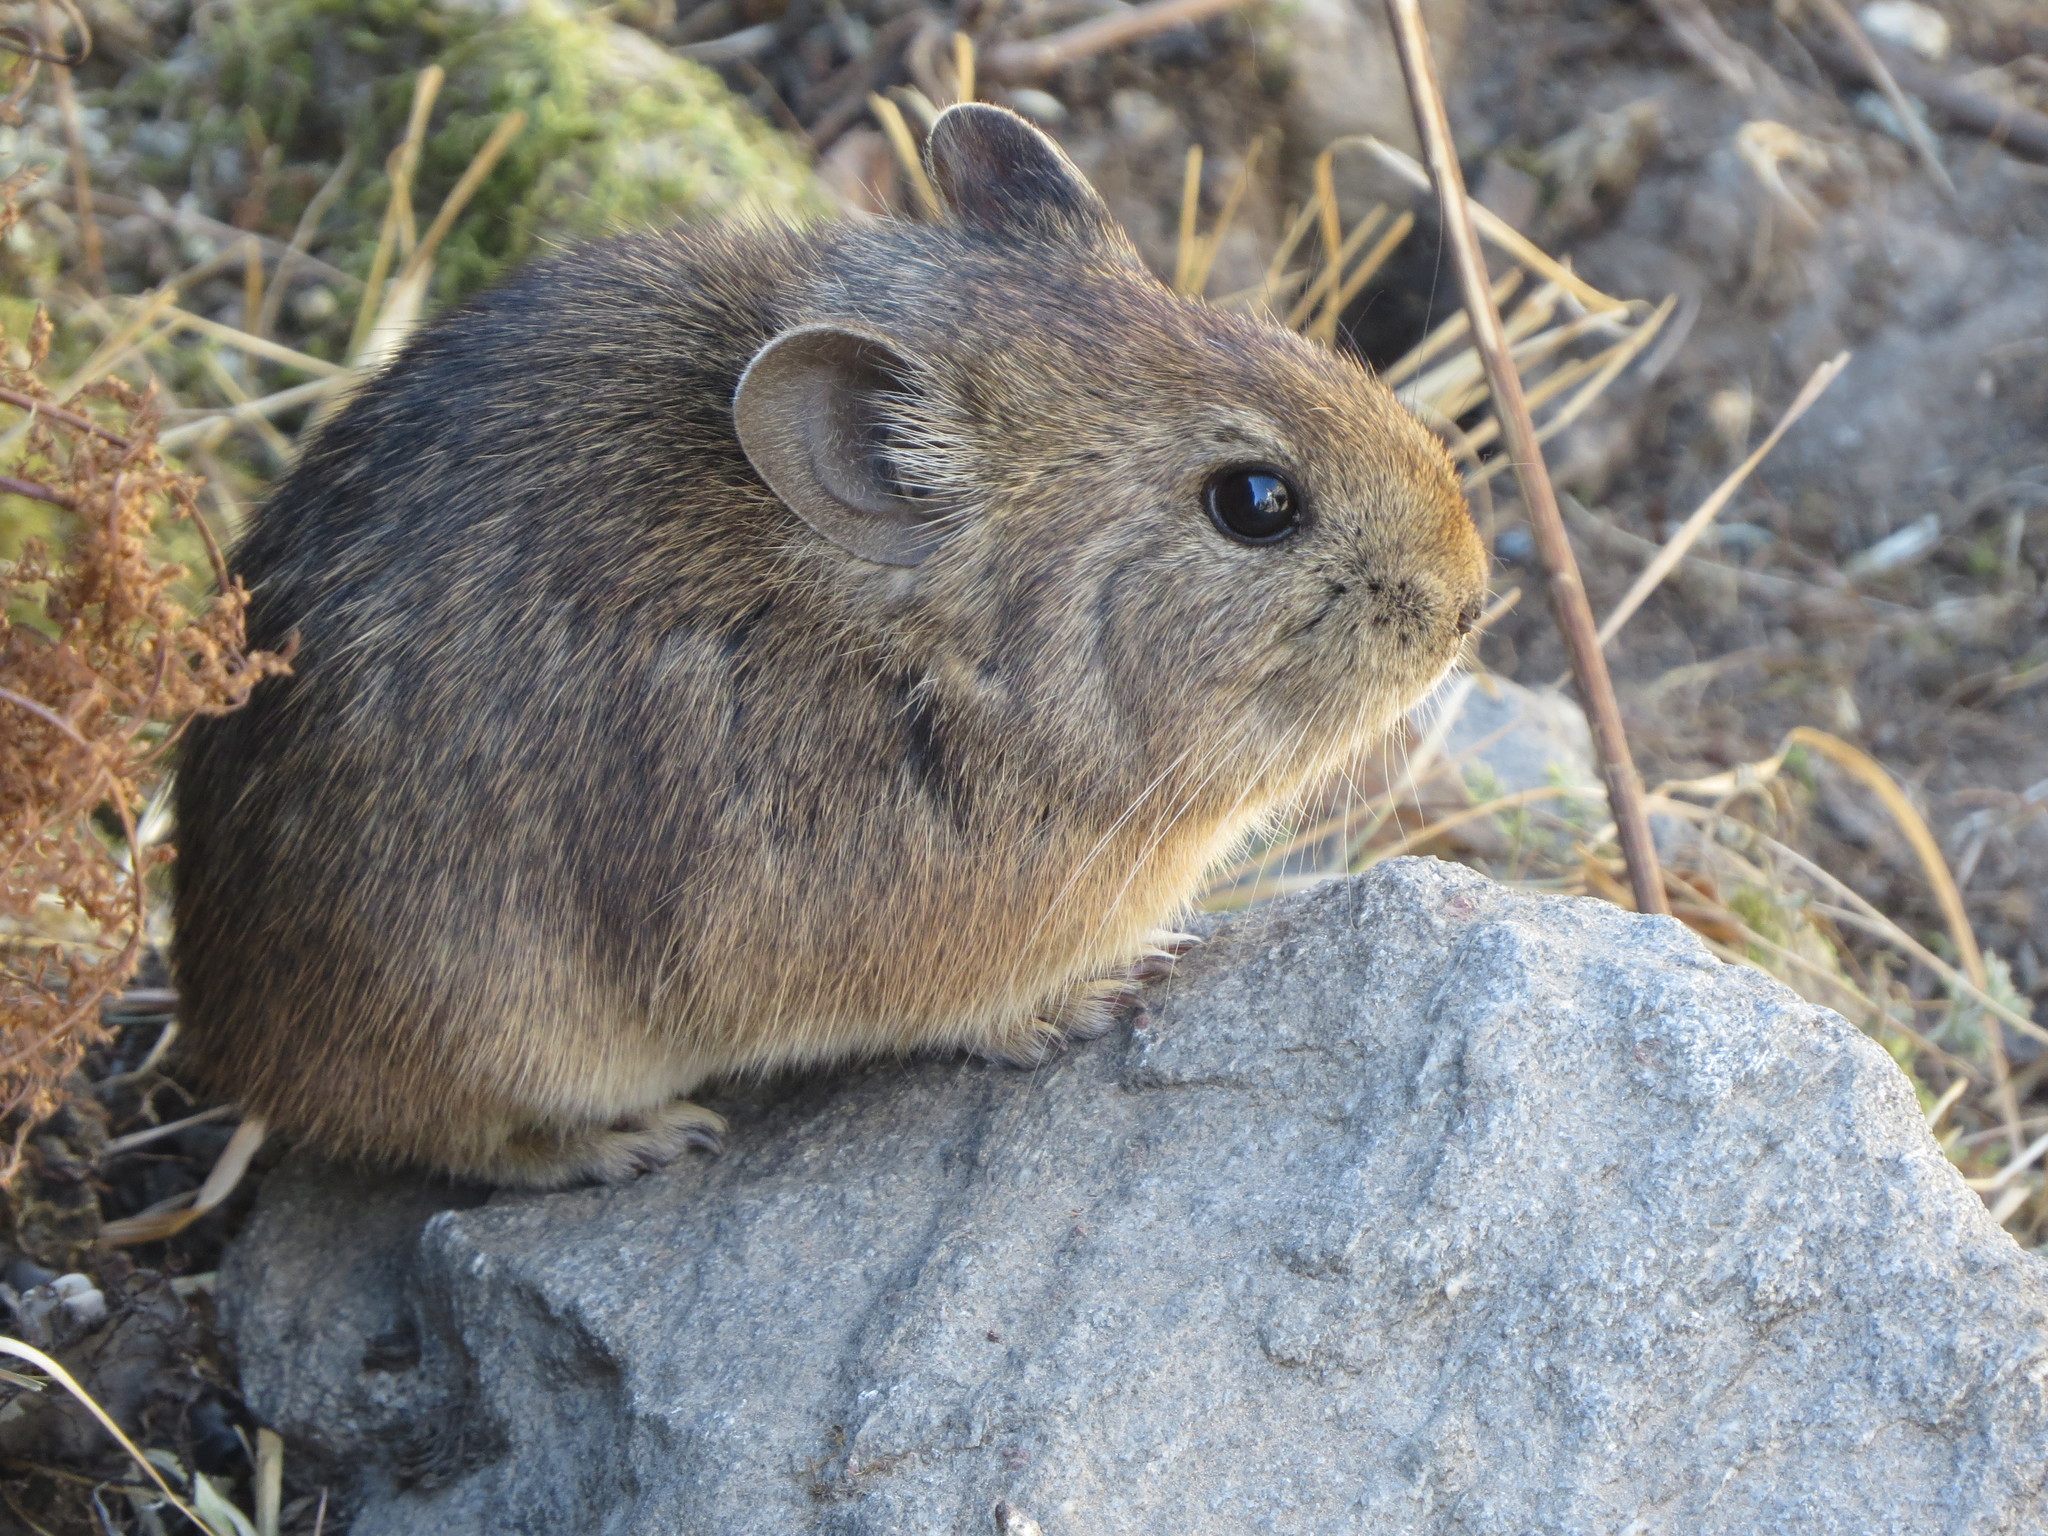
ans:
(620, 133)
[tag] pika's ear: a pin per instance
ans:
(998, 173)
(811, 420)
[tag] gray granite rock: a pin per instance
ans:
(1416, 1206)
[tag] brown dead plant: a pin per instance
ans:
(104, 654)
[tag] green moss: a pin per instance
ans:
(620, 133)
(1760, 912)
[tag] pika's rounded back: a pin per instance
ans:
(740, 648)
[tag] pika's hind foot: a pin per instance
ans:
(628, 1147)
(1091, 1011)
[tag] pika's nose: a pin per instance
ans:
(1468, 617)
(1416, 605)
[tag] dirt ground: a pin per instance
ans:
(1942, 414)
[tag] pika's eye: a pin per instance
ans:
(1253, 504)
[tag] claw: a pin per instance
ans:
(1162, 949)
(1096, 1009)
(648, 1160)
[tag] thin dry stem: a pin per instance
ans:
(1689, 531)
(1498, 232)
(1018, 62)
(890, 116)
(1568, 595)
(1857, 41)
(401, 165)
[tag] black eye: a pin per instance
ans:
(1254, 505)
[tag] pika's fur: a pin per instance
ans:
(605, 769)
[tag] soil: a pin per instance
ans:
(1942, 413)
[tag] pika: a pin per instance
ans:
(726, 650)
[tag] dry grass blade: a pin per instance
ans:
(252, 283)
(963, 67)
(1998, 118)
(1276, 269)
(1597, 373)
(1910, 122)
(76, 152)
(1362, 272)
(1422, 836)
(135, 1139)
(31, 1526)
(247, 341)
(1872, 774)
(1690, 530)
(269, 1480)
(1329, 217)
(1448, 334)
(1458, 384)
(401, 166)
(119, 346)
(2021, 1162)
(1568, 595)
(1228, 896)
(224, 379)
(481, 165)
(181, 1211)
(1694, 28)
(890, 116)
(255, 410)
(302, 237)
(1941, 1106)
(42, 1362)
(1332, 274)
(1017, 62)
(1867, 919)
(1498, 232)
(1497, 610)
(1856, 912)
(1203, 259)
(1190, 213)
(407, 294)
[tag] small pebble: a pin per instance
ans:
(1910, 26)
(1040, 106)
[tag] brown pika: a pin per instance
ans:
(732, 649)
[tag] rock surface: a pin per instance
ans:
(1417, 1206)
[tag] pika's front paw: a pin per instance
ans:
(1162, 949)
(613, 1154)
(1091, 1011)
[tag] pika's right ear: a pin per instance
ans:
(999, 174)
(812, 416)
